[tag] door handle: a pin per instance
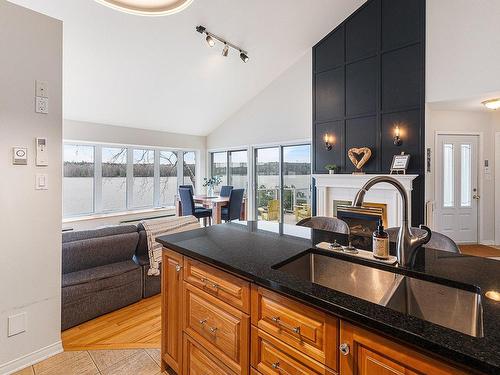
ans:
(476, 196)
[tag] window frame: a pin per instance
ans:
(98, 178)
(228, 175)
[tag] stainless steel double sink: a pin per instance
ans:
(454, 308)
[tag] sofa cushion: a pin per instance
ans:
(142, 246)
(97, 273)
(96, 233)
(100, 251)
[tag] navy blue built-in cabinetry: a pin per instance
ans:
(368, 78)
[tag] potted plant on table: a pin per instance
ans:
(210, 183)
(331, 168)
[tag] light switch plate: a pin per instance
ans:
(42, 105)
(41, 181)
(17, 324)
(19, 155)
(41, 89)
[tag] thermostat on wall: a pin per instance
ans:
(19, 155)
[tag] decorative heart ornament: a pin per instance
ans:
(355, 153)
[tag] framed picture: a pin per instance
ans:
(400, 163)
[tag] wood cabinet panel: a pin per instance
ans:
(271, 356)
(198, 361)
(220, 284)
(220, 328)
(254, 371)
(371, 354)
(171, 310)
(311, 331)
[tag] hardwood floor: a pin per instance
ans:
(480, 250)
(137, 326)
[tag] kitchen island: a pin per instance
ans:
(228, 308)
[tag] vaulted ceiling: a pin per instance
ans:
(158, 72)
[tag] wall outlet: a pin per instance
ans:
(17, 324)
(42, 105)
(41, 89)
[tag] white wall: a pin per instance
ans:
(282, 112)
(462, 54)
(30, 221)
(468, 121)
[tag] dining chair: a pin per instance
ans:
(438, 240)
(188, 207)
(190, 187)
(233, 209)
(330, 224)
(225, 191)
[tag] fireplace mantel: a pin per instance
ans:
(330, 187)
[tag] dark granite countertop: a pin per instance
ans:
(251, 249)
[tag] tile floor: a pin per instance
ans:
(99, 362)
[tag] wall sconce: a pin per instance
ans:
(492, 104)
(397, 136)
(329, 141)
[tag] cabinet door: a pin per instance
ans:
(171, 289)
(365, 353)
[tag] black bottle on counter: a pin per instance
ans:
(380, 242)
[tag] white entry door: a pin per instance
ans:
(457, 187)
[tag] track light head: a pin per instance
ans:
(210, 41)
(201, 29)
(244, 56)
(225, 50)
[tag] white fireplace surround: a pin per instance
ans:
(330, 187)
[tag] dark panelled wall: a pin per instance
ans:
(368, 76)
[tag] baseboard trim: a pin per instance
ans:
(30, 359)
(488, 242)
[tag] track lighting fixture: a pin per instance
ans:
(244, 56)
(211, 38)
(210, 41)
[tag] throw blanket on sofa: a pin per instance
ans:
(160, 227)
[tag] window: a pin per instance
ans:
(238, 169)
(103, 178)
(448, 176)
(219, 166)
(231, 166)
(143, 178)
(114, 178)
(78, 180)
(189, 168)
(168, 178)
(466, 176)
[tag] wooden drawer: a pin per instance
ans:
(271, 356)
(220, 328)
(254, 371)
(226, 287)
(312, 332)
(198, 361)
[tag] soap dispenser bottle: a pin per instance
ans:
(380, 242)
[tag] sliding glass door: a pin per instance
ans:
(283, 183)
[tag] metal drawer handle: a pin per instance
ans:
(203, 321)
(275, 365)
(178, 268)
(277, 320)
(213, 330)
(344, 348)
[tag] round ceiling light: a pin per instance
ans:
(147, 7)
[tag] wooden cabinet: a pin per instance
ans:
(198, 361)
(220, 328)
(226, 287)
(366, 353)
(271, 356)
(171, 310)
(308, 330)
(216, 323)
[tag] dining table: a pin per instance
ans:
(215, 203)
